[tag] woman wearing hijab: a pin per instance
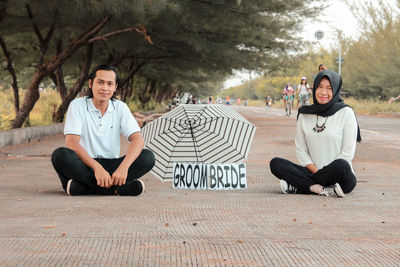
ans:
(326, 137)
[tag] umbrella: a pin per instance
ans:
(197, 133)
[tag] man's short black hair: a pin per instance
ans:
(92, 75)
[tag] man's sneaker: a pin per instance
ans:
(288, 188)
(332, 190)
(132, 188)
(75, 188)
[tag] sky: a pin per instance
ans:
(337, 15)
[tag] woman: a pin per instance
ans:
(288, 95)
(322, 67)
(325, 144)
(303, 90)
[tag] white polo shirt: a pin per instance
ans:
(100, 135)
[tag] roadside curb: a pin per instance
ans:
(27, 135)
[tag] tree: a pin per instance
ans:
(195, 42)
(372, 61)
(51, 24)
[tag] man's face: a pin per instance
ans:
(103, 86)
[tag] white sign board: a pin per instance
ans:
(203, 176)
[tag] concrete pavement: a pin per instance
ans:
(41, 226)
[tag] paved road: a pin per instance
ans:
(41, 226)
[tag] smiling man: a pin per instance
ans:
(91, 163)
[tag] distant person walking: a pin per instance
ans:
(303, 91)
(268, 101)
(321, 67)
(91, 163)
(228, 100)
(325, 141)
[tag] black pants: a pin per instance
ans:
(69, 166)
(338, 171)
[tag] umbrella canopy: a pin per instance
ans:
(197, 133)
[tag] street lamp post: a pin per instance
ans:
(319, 35)
(340, 59)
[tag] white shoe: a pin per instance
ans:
(69, 187)
(332, 191)
(142, 185)
(288, 188)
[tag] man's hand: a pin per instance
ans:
(119, 176)
(103, 177)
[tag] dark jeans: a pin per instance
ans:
(338, 171)
(69, 166)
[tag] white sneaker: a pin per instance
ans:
(69, 186)
(143, 186)
(332, 191)
(288, 188)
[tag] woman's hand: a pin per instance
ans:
(312, 168)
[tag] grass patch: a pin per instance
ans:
(43, 110)
(40, 115)
(373, 107)
(151, 105)
(6, 109)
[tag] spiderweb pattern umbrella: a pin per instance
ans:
(197, 133)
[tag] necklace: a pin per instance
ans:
(319, 128)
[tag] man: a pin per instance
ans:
(91, 163)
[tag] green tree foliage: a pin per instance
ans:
(172, 45)
(57, 30)
(372, 63)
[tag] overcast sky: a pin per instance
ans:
(336, 16)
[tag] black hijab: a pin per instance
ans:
(334, 105)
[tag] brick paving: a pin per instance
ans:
(41, 226)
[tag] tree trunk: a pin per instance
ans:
(127, 90)
(11, 70)
(143, 96)
(135, 67)
(3, 9)
(58, 116)
(58, 79)
(173, 93)
(161, 94)
(125, 84)
(31, 96)
(129, 87)
(122, 92)
(150, 89)
(59, 76)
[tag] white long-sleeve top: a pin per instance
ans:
(337, 141)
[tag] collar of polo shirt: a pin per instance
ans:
(91, 106)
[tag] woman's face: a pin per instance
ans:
(323, 94)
